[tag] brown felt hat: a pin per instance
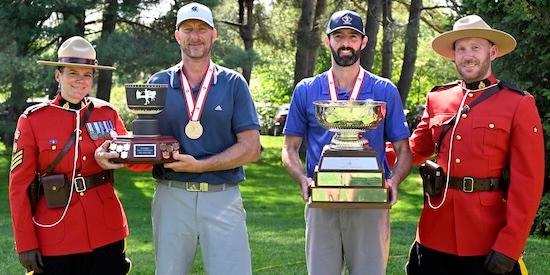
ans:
(77, 52)
(472, 26)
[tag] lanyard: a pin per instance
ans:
(194, 109)
(356, 87)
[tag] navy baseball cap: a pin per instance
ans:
(345, 19)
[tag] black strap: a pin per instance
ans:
(70, 141)
(465, 109)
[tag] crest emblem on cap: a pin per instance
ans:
(195, 11)
(346, 19)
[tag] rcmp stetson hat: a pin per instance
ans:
(472, 26)
(77, 52)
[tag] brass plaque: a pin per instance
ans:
(349, 194)
(340, 179)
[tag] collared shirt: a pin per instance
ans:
(228, 110)
(301, 119)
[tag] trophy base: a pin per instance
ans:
(350, 205)
(144, 150)
(349, 197)
(349, 179)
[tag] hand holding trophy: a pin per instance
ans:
(349, 173)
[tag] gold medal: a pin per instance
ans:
(193, 129)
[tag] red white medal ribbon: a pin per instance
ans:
(194, 109)
(356, 87)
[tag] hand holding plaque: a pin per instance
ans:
(146, 145)
(349, 173)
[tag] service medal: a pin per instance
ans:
(104, 130)
(97, 130)
(91, 131)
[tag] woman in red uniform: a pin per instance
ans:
(85, 235)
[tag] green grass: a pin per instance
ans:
(274, 216)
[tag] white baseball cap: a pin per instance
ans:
(195, 11)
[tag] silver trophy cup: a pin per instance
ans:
(349, 173)
(348, 119)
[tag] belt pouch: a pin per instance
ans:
(432, 177)
(56, 190)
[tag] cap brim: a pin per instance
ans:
(195, 18)
(63, 64)
(346, 27)
(444, 43)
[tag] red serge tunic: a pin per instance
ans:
(93, 219)
(502, 131)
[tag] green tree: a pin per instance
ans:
(527, 66)
(42, 27)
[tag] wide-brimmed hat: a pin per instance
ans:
(195, 11)
(472, 26)
(345, 19)
(76, 52)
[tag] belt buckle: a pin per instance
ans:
(468, 188)
(82, 182)
(196, 186)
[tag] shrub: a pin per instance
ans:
(541, 224)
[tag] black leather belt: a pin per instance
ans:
(469, 184)
(197, 186)
(81, 184)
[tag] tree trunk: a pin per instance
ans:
(387, 40)
(105, 79)
(314, 37)
(305, 24)
(372, 25)
(411, 46)
(246, 31)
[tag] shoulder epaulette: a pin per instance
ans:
(450, 84)
(100, 102)
(35, 107)
(505, 84)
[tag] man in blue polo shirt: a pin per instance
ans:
(361, 236)
(209, 110)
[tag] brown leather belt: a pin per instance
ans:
(81, 184)
(469, 184)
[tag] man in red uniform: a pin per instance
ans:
(480, 221)
(86, 234)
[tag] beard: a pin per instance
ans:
(198, 51)
(347, 60)
(474, 74)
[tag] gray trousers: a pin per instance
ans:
(360, 236)
(217, 220)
